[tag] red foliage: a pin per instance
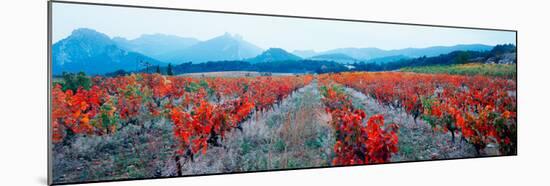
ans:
(356, 142)
(481, 108)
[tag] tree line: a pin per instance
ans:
(325, 66)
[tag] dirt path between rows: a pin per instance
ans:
(294, 134)
(416, 141)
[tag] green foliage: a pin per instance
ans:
(203, 83)
(336, 88)
(456, 57)
(192, 87)
(406, 150)
(132, 90)
(315, 143)
(462, 57)
(246, 147)
(493, 70)
(339, 89)
(323, 90)
(73, 81)
(274, 121)
(106, 120)
(502, 49)
(279, 145)
(427, 104)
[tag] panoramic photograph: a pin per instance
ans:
(150, 93)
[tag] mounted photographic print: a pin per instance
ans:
(144, 92)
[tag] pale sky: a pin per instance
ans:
(263, 31)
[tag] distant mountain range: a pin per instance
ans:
(500, 54)
(96, 53)
(156, 45)
(278, 60)
(369, 55)
(224, 47)
(372, 53)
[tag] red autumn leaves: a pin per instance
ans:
(482, 109)
(73, 111)
(357, 142)
(199, 122)
(201, 110)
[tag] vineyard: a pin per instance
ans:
(151, 125)
(481, 109)
(495, 70)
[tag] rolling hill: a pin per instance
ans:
(274, 54)
(371, 53)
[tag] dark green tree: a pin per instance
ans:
(158, 69)
(461, 57)
(74, 81)
(169, 70)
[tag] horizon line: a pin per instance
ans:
(240, 36)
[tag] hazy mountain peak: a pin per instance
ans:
(87, 32)
(271, 50)
(229, 36)
(88, 36)
(223, 47)
(274, 54)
